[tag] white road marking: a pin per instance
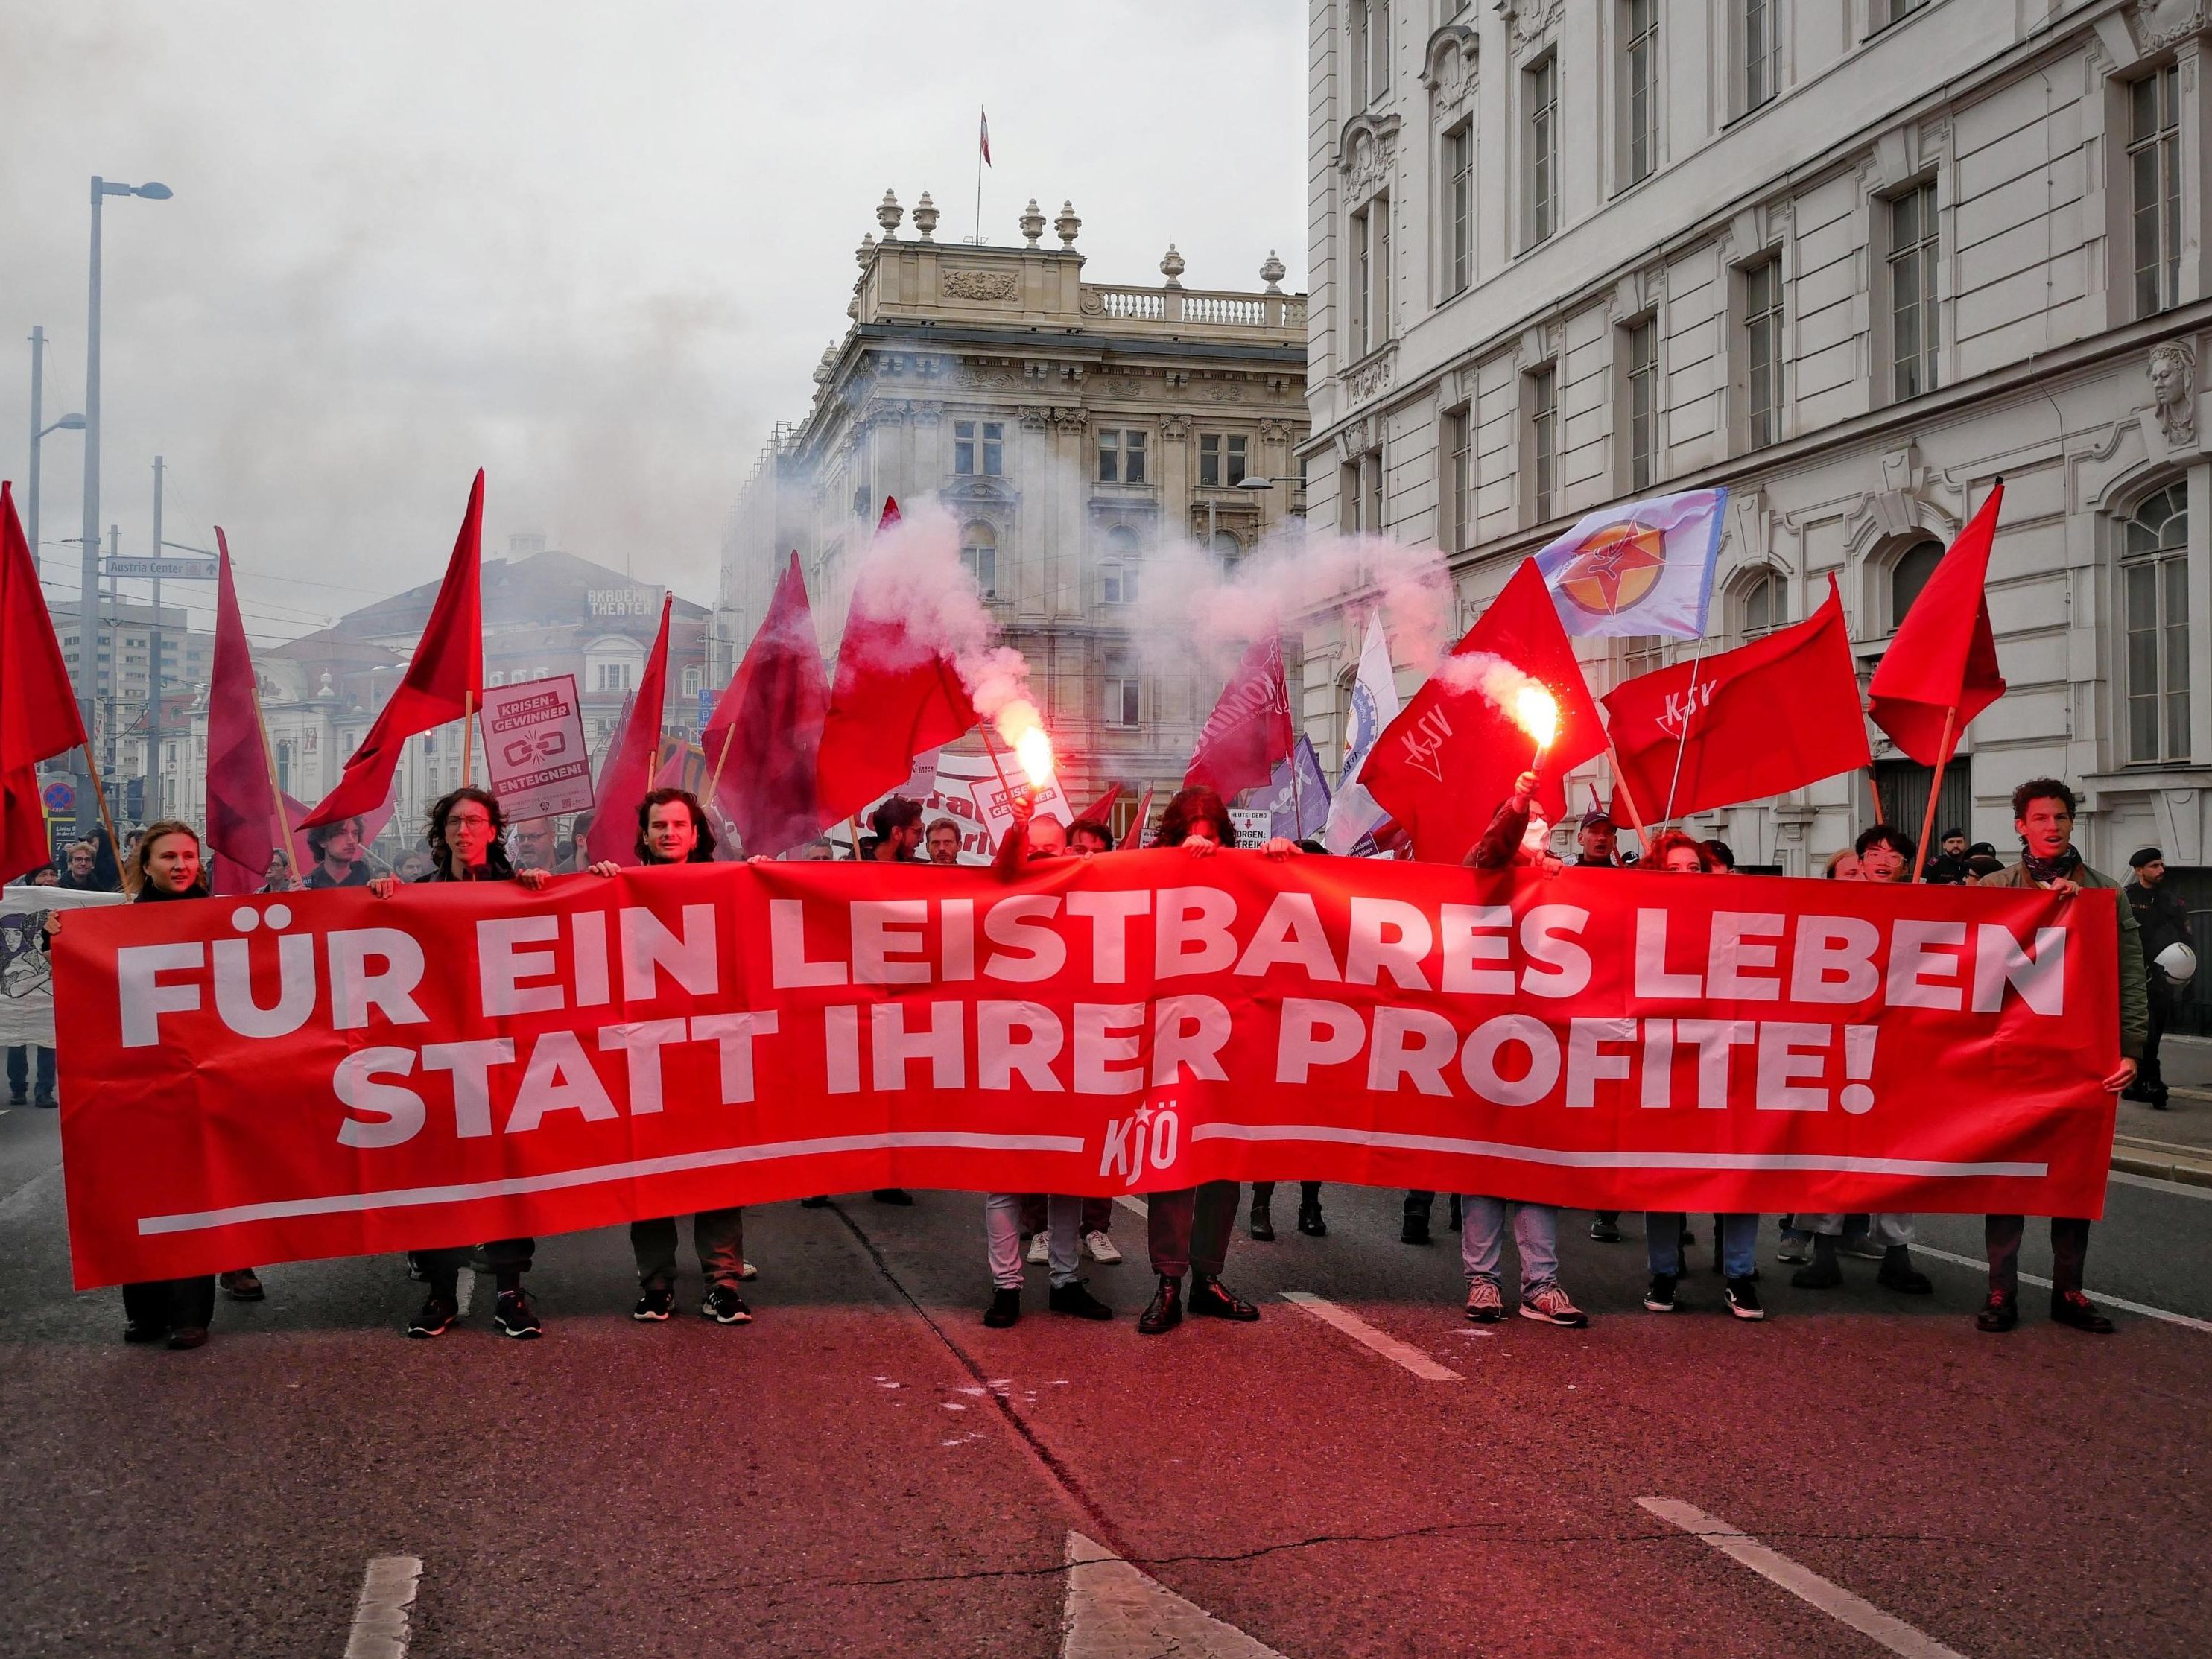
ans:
(1134, 1205)
(1399, 1353)
(2174, 1188)
(25, 1197)
(1114, 1611)
(1801, 1582)
(2148, 1312)
(380, 1617)
(464, 1290)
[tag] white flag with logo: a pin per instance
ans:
(1353, 816)
(1639, 568)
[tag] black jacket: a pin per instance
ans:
(2162, 917)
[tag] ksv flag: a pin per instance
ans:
(1353, 816)
(1640, 568)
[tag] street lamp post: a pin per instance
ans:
(39, 430)
(88, 620)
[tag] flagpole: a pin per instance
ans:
(1935, 788)
(283, 819)
(1874, 788)
(1297, 796)
(1682, 742)
(1627, 795)
(468, 737)
(982, 116)
(100, 794)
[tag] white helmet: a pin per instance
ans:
(2178, 962)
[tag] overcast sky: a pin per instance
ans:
(596, 248)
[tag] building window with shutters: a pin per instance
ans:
(1913, 320)
(2154, 616)
(2155, 187)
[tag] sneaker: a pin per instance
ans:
(1742, 1297)
(1551, 1305)
(435, 1318)
(892, 1195)
(1075, 1299)
(2000, 1312)
(244, 1286)
(726, 1306)
(50, 1102)
(1040, 1246)
(1165, 1311)
(1659, 1294)
(1005, 1310)
(1484, 1305)
(654, 1304)
(195, 1336)
(1213, 1299)
(747, 1271)
(19, 1098)
(1793, 1252)
(1605, 1229)
(1103, 1248)
(2068, 1308)
(515, 1315)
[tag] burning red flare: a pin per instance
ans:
(1537, 713)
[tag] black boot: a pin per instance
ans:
(1897, 1274)
(1823, 1273)
(1309, 1221)
(1165, 1311)
(1263, 1224)
(1212, 1298)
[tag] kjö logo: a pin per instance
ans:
(1151, 1134)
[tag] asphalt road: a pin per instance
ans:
(867, 1470)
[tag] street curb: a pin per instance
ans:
(2188, 1175)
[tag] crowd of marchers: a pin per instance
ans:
(1188, 1232)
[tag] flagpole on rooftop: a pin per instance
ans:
(982, 148)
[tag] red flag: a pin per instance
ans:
(1096, 812)
(1442, 767)
(1135, 837)
(894, 697)
(242, 807)
(1776, 715)
(39, 716)
(628, 774)
(1249, 729)
(767, 729)
(984, 115)
(444, 679)
(1944, 656)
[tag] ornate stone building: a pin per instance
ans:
(1074, 428)
(1853, 260)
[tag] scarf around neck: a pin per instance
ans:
(2049, 870)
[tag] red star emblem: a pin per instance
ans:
(1615, 569)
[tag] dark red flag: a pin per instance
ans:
(444, 678)
(895, 697)
(1096, 812)
(39, 716)
(1773, 715)
(243, 811)
(1249, 729)
(766, 731)
(1944, 656)
(1134, 837)
(1451, 756)
(628, 773)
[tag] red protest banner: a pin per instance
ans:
(330, 1073)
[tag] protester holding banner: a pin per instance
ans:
(2042, 815)
(464, 837)
(671, 829)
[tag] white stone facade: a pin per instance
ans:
(1853, 260)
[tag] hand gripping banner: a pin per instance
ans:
(331, 1073)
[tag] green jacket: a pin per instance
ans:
(2134, 992)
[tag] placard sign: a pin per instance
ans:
(535, 755)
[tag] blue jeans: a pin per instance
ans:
(1535, 1236)
(1662, 1243)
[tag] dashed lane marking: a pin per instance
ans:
(1134, 1205)
(2172, 1189)
(1801, 1582)
(2144, 1309)
(1116, 1612)
(1399, 1353)
(379, 1616)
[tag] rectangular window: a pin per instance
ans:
(1762, 322)
(1119, 584)
(1458, 208)
(1122, 700)
(1109, 456)
(2155, 187)
(1640, 83)
(1542, 87)
(1220, 459)
(1454, 486)
(1543, 440)
(1358, 21)
(994, 449)
(1912, 318)
(964, 447)
(1132, 457)
(1378, 302)
(1762, 54)
(1378, 50)
(2155, 594)
(1348, 498)
(1642, 345)
(981, 562)
(1363, 277)
(1370, 507)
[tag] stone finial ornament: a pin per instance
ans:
(1172, 266)
(1032, 223)
(866, 250)
(2173, 371)
(925, 216)
(1067, 225)
(1272, 272)
(888, 214)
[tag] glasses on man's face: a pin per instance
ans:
(468, 821)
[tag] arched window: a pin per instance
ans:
(1908, 575)
(1227, 550)
(1118, 570)
(1762, 605)
(979, 557)
(2154, 611)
